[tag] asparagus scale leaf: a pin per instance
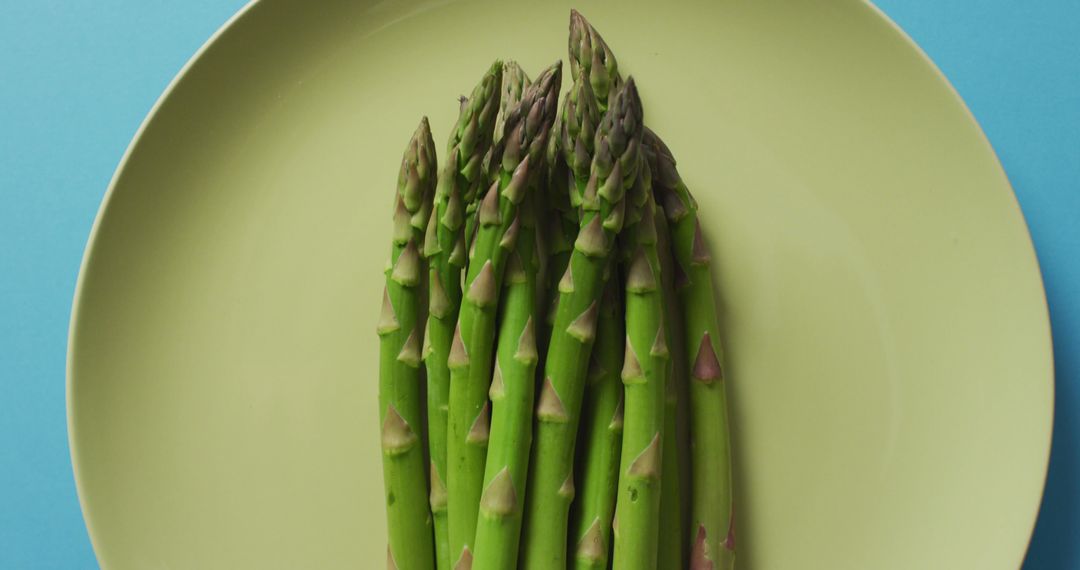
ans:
(444, 248)
(551, 478)
(400, 333)
(519, 155)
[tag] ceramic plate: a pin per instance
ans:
(886, 330)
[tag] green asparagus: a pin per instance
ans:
(444, 247)
(712, 516)
(512, 390)
(471, 353)
(673, 545)
(400, 395)
(637, 519)
(601, 439)
(551, 482)
(709, 462)
(560, 235)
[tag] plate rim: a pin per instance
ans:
(91, 241)
(245, 10)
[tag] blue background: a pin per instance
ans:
(77, 78)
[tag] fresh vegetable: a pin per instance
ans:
(712, 514)
(444, 248)
(637, 519)
(400, 330)
(674, 506)
(519, 155)
(512, 389)
(554, 281)
(551, 479)
(601, 438)
(712, 517)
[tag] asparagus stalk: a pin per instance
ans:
(444, 247)
(712, 514)
(601, 438)
(400, 396)
(597, 62)
(512, 389)
(673, 508)
(519, 153)
(644, 370)
(614, 168)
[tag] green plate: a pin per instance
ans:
(887, 334)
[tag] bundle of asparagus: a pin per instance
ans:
(550, 258)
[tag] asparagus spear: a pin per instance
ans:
(444, 247)
(673, 508)
(614, 168)
(644, 370)
(712, 514)
(512, 388)
(520, 154)
(601, 438)
(597, 61)
(400, 396)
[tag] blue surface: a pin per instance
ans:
(77, 78)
